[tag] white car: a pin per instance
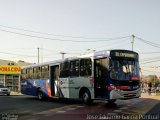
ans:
(4, 90)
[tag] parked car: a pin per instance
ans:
(4, 90)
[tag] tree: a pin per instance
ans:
(153, 79)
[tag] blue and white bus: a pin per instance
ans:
(107, 74)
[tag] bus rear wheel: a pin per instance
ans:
(86, 97)
(40, 95)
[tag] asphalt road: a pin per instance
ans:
(29, 108)
(28, 105)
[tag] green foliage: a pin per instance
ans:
(152, 78)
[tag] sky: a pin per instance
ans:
(79, 26)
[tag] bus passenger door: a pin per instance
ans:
(100, 76)
(54, 80)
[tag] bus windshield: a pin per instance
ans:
(124, 69)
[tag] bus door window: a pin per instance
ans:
(54, 80)
(97, 73)
(101, 70)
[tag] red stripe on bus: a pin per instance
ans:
(117, 87)
(48, 89)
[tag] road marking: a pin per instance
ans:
(112, 113)
(60, 111)
(60, 108)
(124, 108)
(117, 111)
(80, 106)
(71, 108)
(32, 119)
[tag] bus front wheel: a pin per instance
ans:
(86, 97)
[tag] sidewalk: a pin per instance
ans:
(15, 93)
(152, 96)
(155, 105)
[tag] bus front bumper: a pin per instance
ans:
(121, 94)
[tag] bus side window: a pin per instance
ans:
(23, 74)
(74, 68)
(85, 67)
(29, 73)
(26, 74)
(45, 72)
(36, 72)
(64, 69)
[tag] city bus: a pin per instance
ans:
(105, 75)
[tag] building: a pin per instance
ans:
(10, 73)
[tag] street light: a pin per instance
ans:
(63, 53)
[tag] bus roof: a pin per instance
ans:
(95, 54)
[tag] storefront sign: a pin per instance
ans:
(10, 70)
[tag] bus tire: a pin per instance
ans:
(86, 97)
(40, 95)
(111, 101)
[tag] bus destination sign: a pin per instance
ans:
(124, 54)
(120, 54)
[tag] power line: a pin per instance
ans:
(148, 52)
(151, 61)
(17, 54)
(28, 35)
(150, 71)
(33, 56)
(148, 42)
(153, 58)
(49, 33)
(114, 44)
(57, 39)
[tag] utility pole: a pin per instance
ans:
(132, 42)
(63, 53)
(38, 55)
